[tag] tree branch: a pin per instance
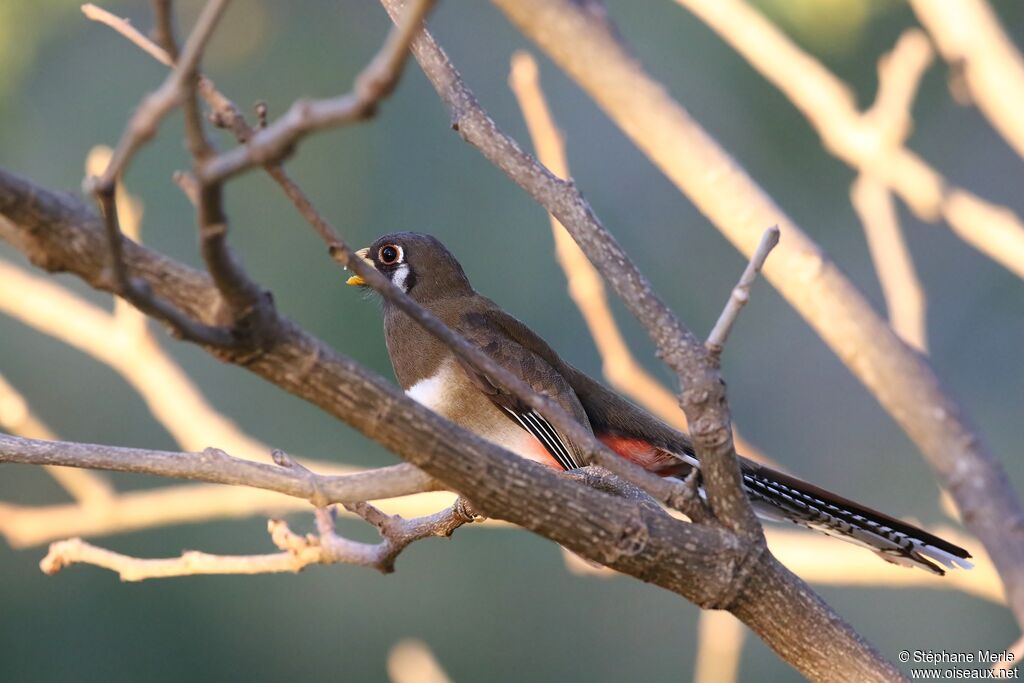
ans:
(741, 292)
(215, 466)
(276, 141)
(904, 295)
(971, 39)
(298, 551)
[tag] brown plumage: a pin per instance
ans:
(429, 372)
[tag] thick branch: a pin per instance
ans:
(901, 380)
(298, 551)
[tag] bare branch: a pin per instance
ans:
(971, 39)
(855, 138)
(904, 295)
(397, 533)
(125, 28)
(276, 141)
(76, 551)
(741, 292)
(215, 466)
(140, 128)
(298, 551)
(24, 526)
(899, 75)
(151, 111)
(163, 28)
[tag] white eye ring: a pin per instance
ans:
(399, 254)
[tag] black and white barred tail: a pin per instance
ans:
(779, 497)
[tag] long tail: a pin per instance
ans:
(777, 496)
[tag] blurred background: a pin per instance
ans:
(491, 604)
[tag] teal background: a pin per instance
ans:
(494, 605)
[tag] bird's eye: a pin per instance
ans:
(390, 254)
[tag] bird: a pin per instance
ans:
(432, 374)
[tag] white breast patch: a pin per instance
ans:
(430, 391)
(450, 393)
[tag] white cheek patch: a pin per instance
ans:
(400, 276)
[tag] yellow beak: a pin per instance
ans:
(355, 280)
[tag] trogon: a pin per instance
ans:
(432, 374)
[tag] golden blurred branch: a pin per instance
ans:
(899, 75)
(971, 39)
(855, 137)
(411, 661)
(720, 638)
(904, 295)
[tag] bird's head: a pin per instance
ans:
(416, 263)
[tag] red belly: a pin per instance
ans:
(642, 453)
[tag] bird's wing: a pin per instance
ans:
(488, 330)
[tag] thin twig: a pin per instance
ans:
(24, 526)
(899, 75)
(741, 292)
(277, 140)
(125, 28)
(154, 107)
(141, 127)
(298, 551)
